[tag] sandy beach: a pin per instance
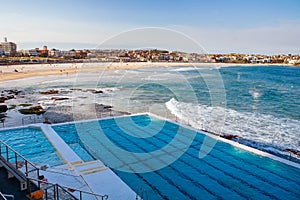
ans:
(13, 72)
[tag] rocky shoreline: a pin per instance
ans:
(30, 110)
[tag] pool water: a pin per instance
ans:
(227, 172)
(32, 144)
(72, 139)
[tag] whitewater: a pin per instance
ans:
(265, 132)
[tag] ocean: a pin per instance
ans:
(259, 105)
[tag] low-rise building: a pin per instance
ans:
(9, 48)
(34, 52)
(55, 53)
(68, 54)
(44, 52)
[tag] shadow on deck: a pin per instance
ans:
(12, 186)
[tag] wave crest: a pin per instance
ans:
(279, 133)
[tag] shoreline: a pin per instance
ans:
(14, 72)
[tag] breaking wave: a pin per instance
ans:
(258, 130)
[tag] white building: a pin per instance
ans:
(54, 53)
(68, 53)
(9, 48)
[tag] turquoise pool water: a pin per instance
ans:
(72, 139)
(32, 144)
(226, 172)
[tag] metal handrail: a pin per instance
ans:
(5, 196)
(27, 171)
(56, 192)
(65, 189)
(2, 122)
(32, 119)
(26, 117)
(16, 155)
(9, 147)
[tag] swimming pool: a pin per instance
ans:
(227, 172)
(72, 139)
(32, 144)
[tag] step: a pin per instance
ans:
(91, 167)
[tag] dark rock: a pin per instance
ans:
(3, 99)
(97, 92)
(293, 151)
(10, 97)
(3, 108)
(12, 107)
(2, 117)
(59, 98)
(8, 94)
(50, 92)
(229, 137)
(76, 89)
(32, 110)
(57, 117)
(94, 91)
(25, 104)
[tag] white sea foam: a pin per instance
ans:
(182, 69)
(255, 94)
(280, 133)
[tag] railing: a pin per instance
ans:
(6, 196)
(26, 118)
(98, 196)
(55, 191)
(2, 123)
(32, 174)
(19, 162)
(32, 119)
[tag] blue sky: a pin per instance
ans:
(257, 26)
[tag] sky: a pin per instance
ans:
(216, 26)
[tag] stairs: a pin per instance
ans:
(91, 167)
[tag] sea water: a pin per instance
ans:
(260, 104)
